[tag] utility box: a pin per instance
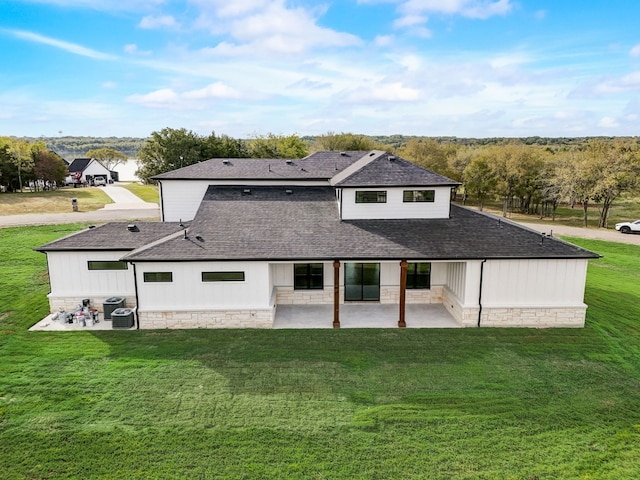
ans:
(74, 204)
(111, 304)
(122, 318)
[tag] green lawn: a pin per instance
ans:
(320, 404)
(148, 193)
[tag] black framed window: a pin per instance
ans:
(158, 276)
(419, 276)
(371, 196)
(223, 276)
(418, 196)
(308, 276)
(107, 265)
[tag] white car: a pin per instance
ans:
(628, 227)
(99, 181)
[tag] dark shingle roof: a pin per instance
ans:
(317, 166)
(79, 164)
(113, 236)
(271, 224)
(389, 170)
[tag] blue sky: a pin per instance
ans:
(467, 68)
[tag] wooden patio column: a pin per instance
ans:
(336, 294)
(403, 293)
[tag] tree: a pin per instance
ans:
(479, 179)
(49, 167)
(277, 146)
(577, 179)
(432, 155)
(108, 157)
(170, 149)
(343, 142)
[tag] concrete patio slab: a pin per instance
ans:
(363, 316)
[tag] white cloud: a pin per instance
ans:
(61, 44)
(390, 92)
(151, 22)
(109, 85)
(257, 27)
(608, 122)
(480, 9)
(132, 49)
(188, 100)
(635, 51)
(383, 40)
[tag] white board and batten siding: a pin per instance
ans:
(69, 275)
(394, 207)
(187, 290)
(534, 283)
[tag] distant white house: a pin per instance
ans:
(86, 170)
(241, 237)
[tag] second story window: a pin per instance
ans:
(371, 196)
(418, 196)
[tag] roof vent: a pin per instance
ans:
(289, 161)
(226, 161)
(246, 191)
(391, 158)
(288, 191)
(91, 227)
(344, 154)
(132, 228)
(199, 238)
(372, 154)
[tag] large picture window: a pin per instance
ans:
(419, 276)
(418, 195)
(107, 265)
(158, 277)
(223, 276)
(371, 196)
(308, 276)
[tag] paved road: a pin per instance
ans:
(126, 207)
(591, 233)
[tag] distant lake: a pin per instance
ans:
(127, 171)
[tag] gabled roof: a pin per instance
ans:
(113, 236)
(387, 170)
(317, 166)
(303, 223)
(79, 164)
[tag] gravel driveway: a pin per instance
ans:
(591, 233)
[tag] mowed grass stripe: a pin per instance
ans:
(467, 403)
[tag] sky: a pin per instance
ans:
(465, 68)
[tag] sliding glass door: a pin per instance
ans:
(362, 282)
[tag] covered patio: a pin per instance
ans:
(361, 315)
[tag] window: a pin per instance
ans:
(418, 195)
(308, 276)
(107, 265)
(158, 276)
(419, 276)
(223, 276)
(371, 196)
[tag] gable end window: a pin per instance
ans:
(223, 276)
(418, 276)
(371, 196)
(158, 276)
(308, 276)
(418, 196)
(107, 265)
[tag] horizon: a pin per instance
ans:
(463, 68)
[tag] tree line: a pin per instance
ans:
(534, 179)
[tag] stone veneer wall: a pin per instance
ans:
(536, 317)
(467, 317)
(69, 304)
(262, 318)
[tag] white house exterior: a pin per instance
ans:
(85, 170)
(241, 237)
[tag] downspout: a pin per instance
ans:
(480, 292)
(135, 286)
(161, 203)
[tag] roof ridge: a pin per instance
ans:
(356, 166)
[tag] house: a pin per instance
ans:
(241, 238)
(85, 170)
